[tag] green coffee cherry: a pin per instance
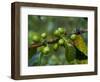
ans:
(73, 36)
(43, 35)
(46, 50)
(56, 46)
(36, 38)
(56, 33)
(61, 30)
(61, 41)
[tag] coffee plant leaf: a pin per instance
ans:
(80, 44)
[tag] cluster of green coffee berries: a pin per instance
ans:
(59, 33)
(40, 39)
(37, 38)
(44, 49)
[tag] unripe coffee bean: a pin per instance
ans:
(73, 36)
(43, 35)
(61, 41)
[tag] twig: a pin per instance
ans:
(40, 44)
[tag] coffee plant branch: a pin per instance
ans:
(35, 45)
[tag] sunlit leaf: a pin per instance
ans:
(80, 44)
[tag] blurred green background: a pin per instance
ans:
(40, 24)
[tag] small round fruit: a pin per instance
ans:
(36, 38)
(61, 41)
(55, 46)
(61, 30)
(43, 35)
(73, 36)
(56, 33)
(46, 50)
